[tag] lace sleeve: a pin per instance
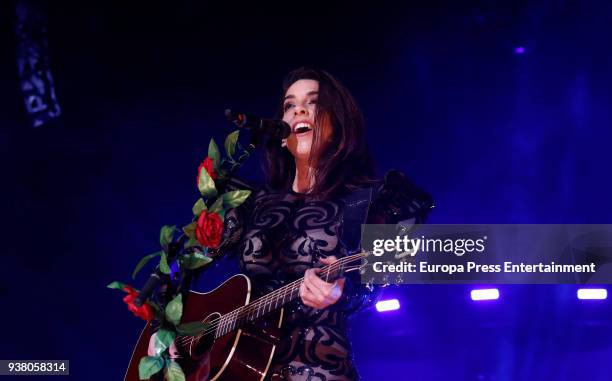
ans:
(395, 201)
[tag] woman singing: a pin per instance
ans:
(320, 189)
(319, 180)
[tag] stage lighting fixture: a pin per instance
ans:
(592, 293)
(387, 305)
(485, 294)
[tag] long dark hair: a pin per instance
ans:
(342, 164)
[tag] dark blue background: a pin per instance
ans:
(494, 136)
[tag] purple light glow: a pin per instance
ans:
(592, 293)
(485, 294)
(519, 50)
(387, 305)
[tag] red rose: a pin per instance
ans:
(144, 312)
(209, 229)
(210, 168)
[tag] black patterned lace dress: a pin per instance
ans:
(281, 235)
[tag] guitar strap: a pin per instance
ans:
(356, 207)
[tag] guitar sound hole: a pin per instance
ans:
(200, 346)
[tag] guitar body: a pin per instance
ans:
(242, 354)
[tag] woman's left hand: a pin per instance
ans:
(317, 293)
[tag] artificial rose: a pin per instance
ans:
(209, 229)
(210, 168)
(144, 312)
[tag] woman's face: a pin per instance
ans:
(299, 111)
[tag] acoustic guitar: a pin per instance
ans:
(242, 334)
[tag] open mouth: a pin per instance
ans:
(302, 128)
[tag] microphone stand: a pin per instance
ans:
(159, 283)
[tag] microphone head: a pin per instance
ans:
(273, 128)
(284, 130)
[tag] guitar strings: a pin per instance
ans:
(291, 287)
(230, 319)
(213, 324)
(234, 316)
(285, 290)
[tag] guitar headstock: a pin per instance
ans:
(390, 258)
(364, 260)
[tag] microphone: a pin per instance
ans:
(152, 284)
(157, 278)
(274, 128)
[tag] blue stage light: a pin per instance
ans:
(485, 294)
(592, 293)
(388, 305)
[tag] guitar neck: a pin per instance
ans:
(278, 298)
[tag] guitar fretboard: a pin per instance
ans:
(278, 298)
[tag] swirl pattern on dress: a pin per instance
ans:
(285, 235)
(314, 215)
(270, 210)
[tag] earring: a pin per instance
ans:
(284, 143)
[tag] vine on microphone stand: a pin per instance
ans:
(180, 259)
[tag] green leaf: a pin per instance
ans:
(206, 185)
(198, 207)
(149, 365)
(195, 260)
(174, 372)
(192, 329)
(213, 153)
(166, 233)
(163, 339)
(143, 262)
(190, 230)
(230, 143)
(116, 285)
(163, 264)
(235, 198)
(217, 206)
(174, 310)
(192, 242)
